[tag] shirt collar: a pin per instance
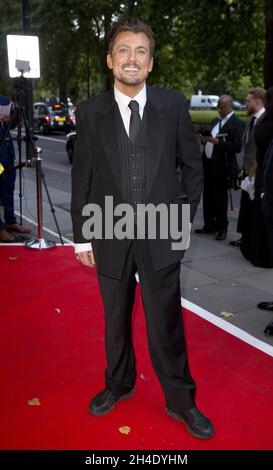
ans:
(259, 113)
(226, 118)
(123, 100)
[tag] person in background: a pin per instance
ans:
(255, 109)
(219, 158)
(264, 138)
(7, 183)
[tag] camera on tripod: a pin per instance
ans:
(24, 64)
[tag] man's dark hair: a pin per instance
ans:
(133, 25)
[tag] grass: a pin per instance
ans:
(204, 118)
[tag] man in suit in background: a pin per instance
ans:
(267, 207)
(131, 141)
(219, 161)
(255, 109)
(267, 195)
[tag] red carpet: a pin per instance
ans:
(52, 348)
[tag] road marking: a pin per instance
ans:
(52, 138)
(228, 327)
(56, 166)
(42, 137)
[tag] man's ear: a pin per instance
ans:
(109, 60)
(151, 64)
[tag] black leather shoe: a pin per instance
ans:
(269, 329)
(221, 235)
(236, 242)
(105, 401)
(266, 306)
(197, 423)
(204, 230)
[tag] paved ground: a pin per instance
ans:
(214, 275)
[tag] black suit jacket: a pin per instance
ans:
(96, 170)
(267, 180)
(224, 153)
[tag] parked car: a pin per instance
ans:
(70, 141)
(237, 106)
(53, 117)
(204, 101)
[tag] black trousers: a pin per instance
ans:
(160, 292)
(7, 185)
(260, 236)
(215, 204)
(245, 224)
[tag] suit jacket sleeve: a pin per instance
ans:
(189, 159)
(81, 176)
(233, 143)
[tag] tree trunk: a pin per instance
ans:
(63, 91)
(108, 76)
(268, 55)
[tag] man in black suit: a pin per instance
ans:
(267, 208)
(255, 109)
(219, 162)
(136, 144)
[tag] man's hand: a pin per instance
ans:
(86, 258)
(253, 168)
(5, 119)
(211, 139)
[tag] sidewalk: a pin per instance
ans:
(216, 277)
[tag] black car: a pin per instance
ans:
(53, 117)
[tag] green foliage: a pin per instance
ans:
(206, 116)
(10, 23)
(213, 45)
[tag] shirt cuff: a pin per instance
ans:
(189, 239)
(80, 247)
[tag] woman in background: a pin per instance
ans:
(263, 138)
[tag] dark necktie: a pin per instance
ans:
(134, 121)
(251, 124)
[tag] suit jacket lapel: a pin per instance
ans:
(228, 122)
(157, 124)
(108, 135)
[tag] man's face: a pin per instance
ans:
(251, 105)
(130, 58)
(223, 108)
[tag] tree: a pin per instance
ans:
(217, 46)
(10, 23)
(221, 42)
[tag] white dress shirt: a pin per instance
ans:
(258, 114)
(122, 101)
(215, 131)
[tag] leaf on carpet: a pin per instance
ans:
(124, 430)
(34, 402)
